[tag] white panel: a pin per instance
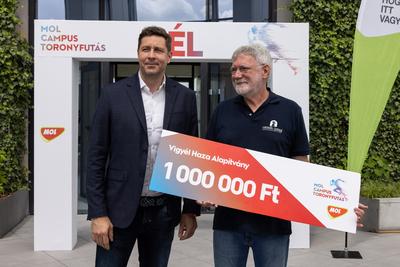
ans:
(55, 161)
(214, 41)
(300, 237)
(290, 80)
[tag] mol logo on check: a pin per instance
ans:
(50, 133)
(336, 212)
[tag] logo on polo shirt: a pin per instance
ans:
(273, 127)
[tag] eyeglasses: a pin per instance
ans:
(243, 69)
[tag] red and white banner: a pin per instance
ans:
(256, 182)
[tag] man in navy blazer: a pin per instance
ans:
(125, 135)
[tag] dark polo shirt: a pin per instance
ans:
(277, 127)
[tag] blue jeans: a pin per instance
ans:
(232, 248)
(153, 230)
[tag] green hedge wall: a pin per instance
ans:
(15, 83)
(332, 26)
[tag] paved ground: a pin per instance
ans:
(16, 249)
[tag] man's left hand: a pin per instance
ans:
(360, 211)
(187, 226)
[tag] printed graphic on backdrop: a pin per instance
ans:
(256, 182)
(50, 133)
(376, 63)
(266, 35)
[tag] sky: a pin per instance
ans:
(51, 9)
(179, 9)
(172, 10)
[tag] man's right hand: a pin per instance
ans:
(102, 231)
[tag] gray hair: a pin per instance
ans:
(258, 51)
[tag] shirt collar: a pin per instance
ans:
(143, 85)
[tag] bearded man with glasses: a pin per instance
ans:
(256, 119)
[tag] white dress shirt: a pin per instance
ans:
(154, 104)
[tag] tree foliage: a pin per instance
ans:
(15, 84)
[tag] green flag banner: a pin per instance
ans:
(376, 62)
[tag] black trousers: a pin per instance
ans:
(154, 231)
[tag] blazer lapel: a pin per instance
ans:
(170, 95)
(135, 96)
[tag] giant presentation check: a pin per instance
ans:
(256, 182)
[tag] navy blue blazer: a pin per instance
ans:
(118, 149)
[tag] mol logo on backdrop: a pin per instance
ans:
(50, 133)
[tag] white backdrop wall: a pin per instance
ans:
(60, 45)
